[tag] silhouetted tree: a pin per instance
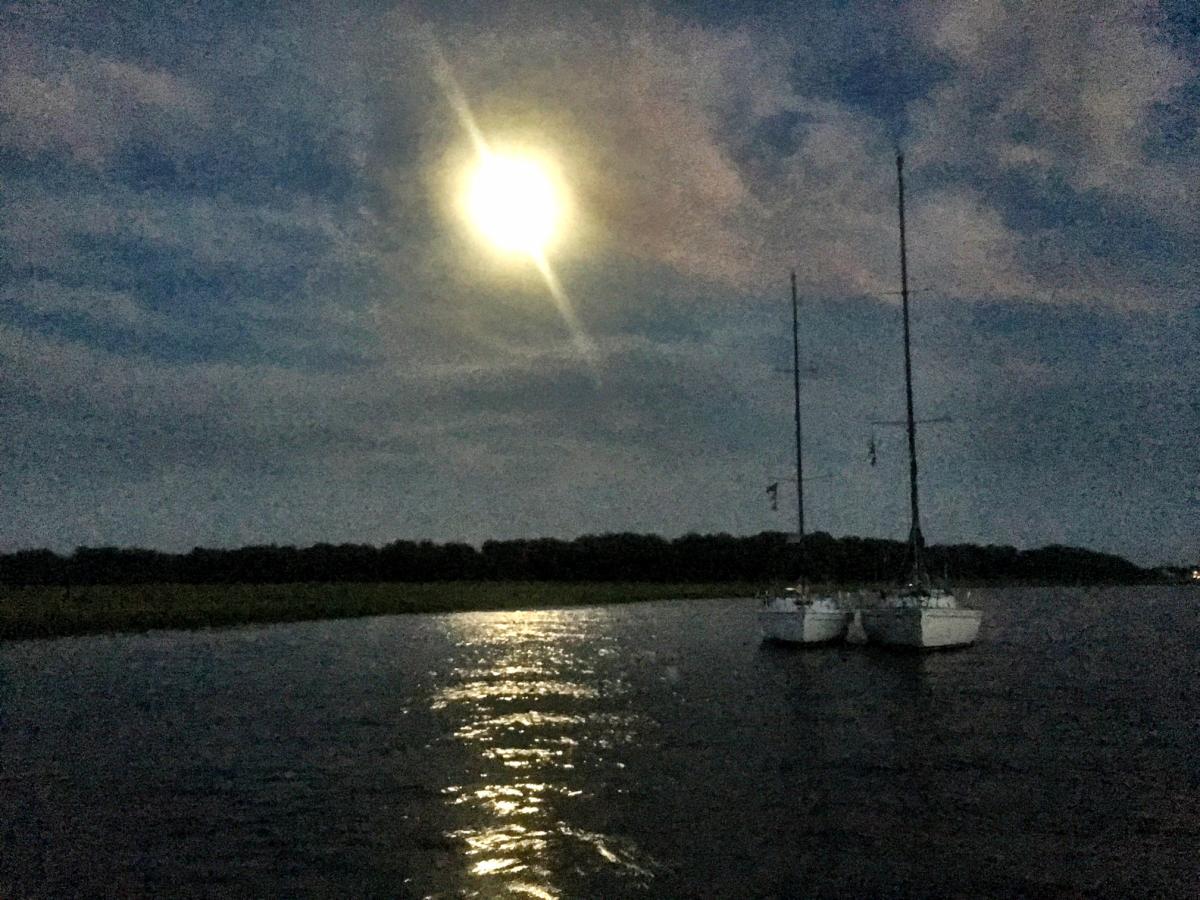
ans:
(593, 557)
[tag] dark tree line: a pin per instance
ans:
(606, 557)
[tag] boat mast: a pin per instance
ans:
(915, 540)
(796, 394)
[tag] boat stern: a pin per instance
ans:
(939, 625)
(786, 620)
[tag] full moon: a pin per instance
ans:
(513, 202)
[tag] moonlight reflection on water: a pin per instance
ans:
(525, 695)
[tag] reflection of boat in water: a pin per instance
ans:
(919, 615)
(795, 615)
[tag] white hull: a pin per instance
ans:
(921, 628)
(782, 620)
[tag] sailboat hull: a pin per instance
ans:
(803, 626)
(921, 628)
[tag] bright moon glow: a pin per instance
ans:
(512, 201)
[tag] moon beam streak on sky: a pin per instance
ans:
(583, 343)
(458, 101)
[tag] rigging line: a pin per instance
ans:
(901, 293)
(935, 421)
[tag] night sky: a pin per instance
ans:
(238, 304)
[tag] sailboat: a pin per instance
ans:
(797, 616)
(918, 615)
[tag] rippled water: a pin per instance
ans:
(645, 750)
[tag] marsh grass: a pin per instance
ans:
(41, 612)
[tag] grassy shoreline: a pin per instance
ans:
(48, 612)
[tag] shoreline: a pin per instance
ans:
(47, 612)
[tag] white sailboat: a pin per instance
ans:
(796, 615)
(918, 616)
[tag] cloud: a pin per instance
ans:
(123, 426)
(961, 247)
(651, 100)
(1066, 87)
(112, 308)
(636, 116)
(203, 275)
(90, 106)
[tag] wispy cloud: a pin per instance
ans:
(90, 107)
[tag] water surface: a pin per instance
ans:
(647, 750)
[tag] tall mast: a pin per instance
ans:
(796, 385)
(915, 540)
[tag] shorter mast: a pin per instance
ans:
(796, 395)
(915, 540)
